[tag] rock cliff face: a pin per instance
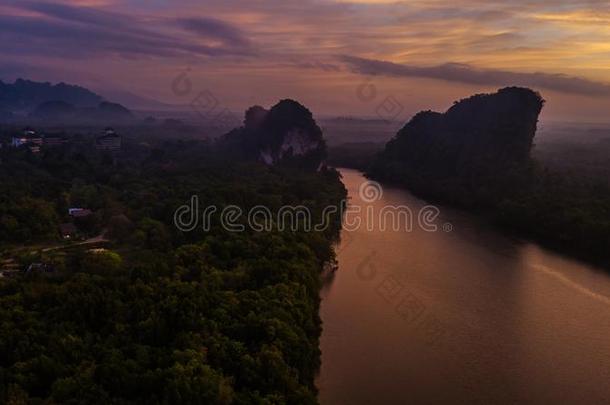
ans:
(286, 134)
(484, 134)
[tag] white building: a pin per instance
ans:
(110, 141)
(28, 137)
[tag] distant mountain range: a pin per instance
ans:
(57, 103)
(135, 101)
(26, 95)
(62, 112)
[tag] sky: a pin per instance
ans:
(338, 57)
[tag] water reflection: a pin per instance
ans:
(466, 316)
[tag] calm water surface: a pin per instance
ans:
(463, 315)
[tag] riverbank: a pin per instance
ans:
(558, 213)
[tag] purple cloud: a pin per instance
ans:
(73, 31)
(461, 73)
(213, 28)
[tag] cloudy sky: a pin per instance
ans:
(343, 57)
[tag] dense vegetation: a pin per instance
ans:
(160, 316)
(477, 156)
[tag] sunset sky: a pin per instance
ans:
(424, 54)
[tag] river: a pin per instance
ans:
(460, 315)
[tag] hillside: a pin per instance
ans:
(26, 95)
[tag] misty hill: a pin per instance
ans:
(480, 137)
(26, 95)
(62, 112)
(341, 130)
(137, 102)
(287, 134)
(54, 110)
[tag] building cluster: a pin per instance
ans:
(29, 139)
(32, 140)
(109, 141)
